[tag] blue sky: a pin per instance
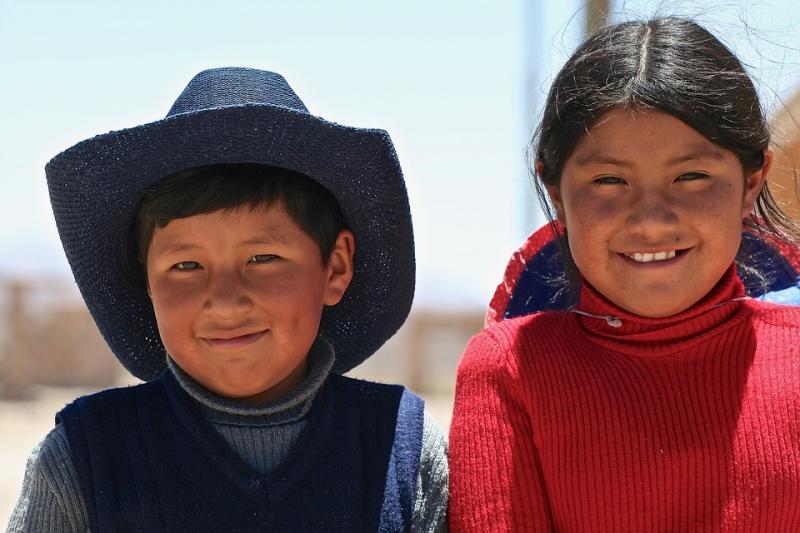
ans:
(447, 79)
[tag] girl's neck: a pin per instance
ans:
(607, 325)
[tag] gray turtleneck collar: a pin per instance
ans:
(290, 408)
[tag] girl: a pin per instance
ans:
(663, 398)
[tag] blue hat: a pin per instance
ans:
(233, 115)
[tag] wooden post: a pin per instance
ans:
(596, 15)
(16, 365)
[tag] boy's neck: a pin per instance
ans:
(291, 406)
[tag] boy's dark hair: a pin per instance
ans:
(210, 188)
(671, 65)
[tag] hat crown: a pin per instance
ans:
(234, 86)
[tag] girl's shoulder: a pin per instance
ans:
(527, 325)
(500, 345)
(780, 312)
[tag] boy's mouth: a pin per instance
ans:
(234, 341)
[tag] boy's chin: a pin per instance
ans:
(255, 393)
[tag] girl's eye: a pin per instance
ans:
(263, 258)
(692, 176)
(608, 180)
(186, 265)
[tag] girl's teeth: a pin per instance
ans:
(649, 257)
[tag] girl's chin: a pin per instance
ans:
(659, 313)
(650, 305)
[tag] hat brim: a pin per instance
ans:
(95, 187)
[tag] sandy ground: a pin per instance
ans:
(24, 423)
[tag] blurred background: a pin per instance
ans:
(459, 84)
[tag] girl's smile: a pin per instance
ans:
(655, 258)
(653, 210)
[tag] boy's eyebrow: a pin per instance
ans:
(176, 247)
(271, 237)
(693, 152)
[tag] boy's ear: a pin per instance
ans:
(553, 193)
(340, 267)
(754, 183)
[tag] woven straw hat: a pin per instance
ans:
(233, 115)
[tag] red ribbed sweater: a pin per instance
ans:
(687, 423)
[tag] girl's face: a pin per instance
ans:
(653, 210)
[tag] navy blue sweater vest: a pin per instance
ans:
(147, 460)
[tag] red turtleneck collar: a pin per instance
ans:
(643, 336)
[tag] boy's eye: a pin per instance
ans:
(608, 180)
(692, 176)
(186, 265)
(262, 258)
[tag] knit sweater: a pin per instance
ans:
(262, 436)
(687, 423)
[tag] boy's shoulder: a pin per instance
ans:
(361, 389)
(92, 404)
(117, 392)
(363, 386)
(376, 401)
(372, 392)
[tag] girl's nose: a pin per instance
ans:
(651, 212)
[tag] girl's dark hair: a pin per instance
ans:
(229, 186)
(671, 65)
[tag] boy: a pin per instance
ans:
(238, 255)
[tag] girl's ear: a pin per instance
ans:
(340, 267)
(554, 194)
(754, 183)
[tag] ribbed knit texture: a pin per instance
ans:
(51, 497)
(51, 500)
(262, 436)
(688, 423)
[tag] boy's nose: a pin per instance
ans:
(227, 294)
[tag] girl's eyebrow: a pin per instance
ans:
(597, 157)
(693, 152)
(699, 151)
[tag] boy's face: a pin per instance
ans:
(238, 296)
